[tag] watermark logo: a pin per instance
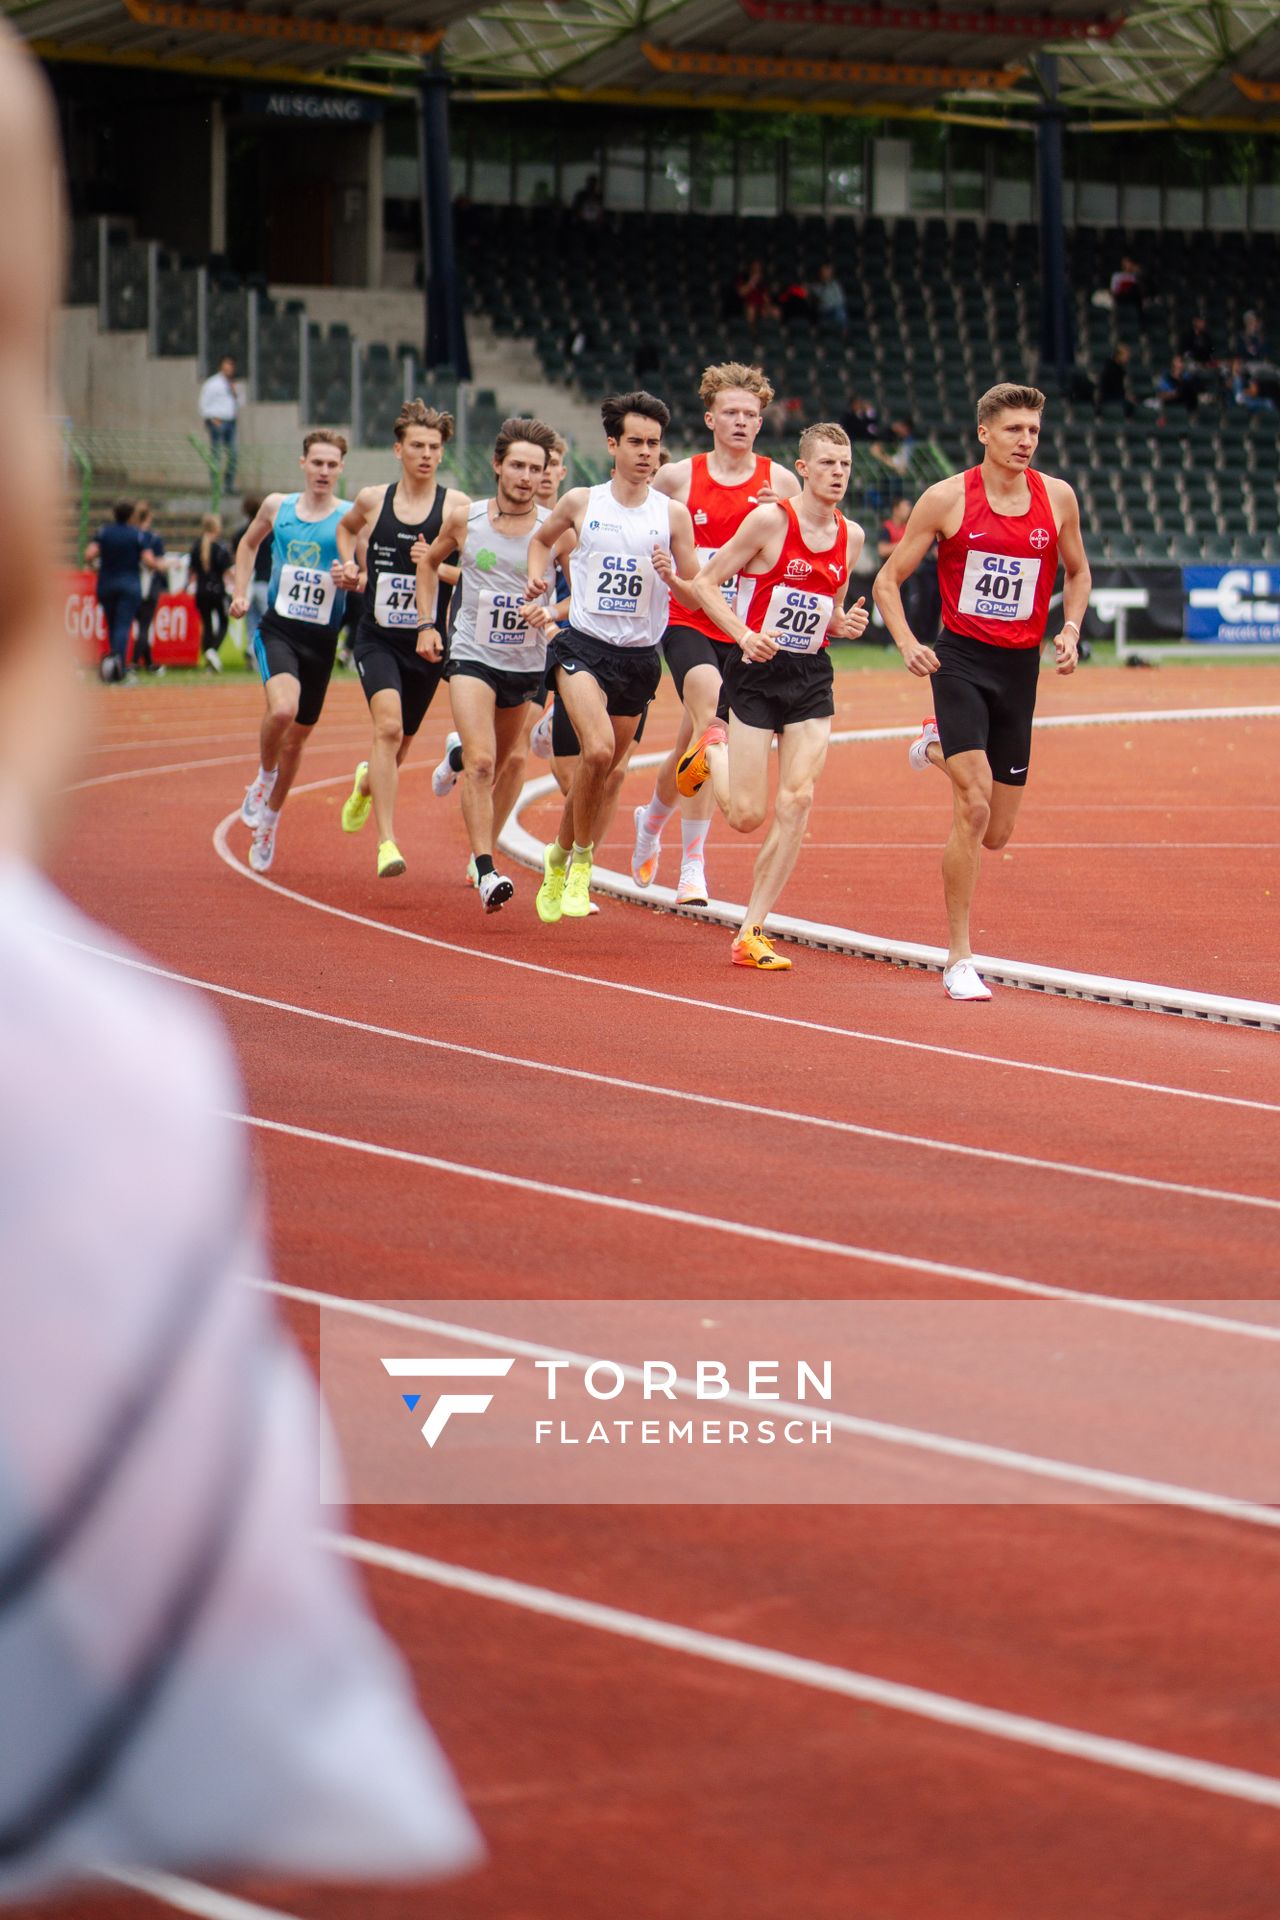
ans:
(447, 1404)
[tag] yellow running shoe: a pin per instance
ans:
(577, 888)
(355, 808)
(751, 949)
(550, 897)
(391, 862)
(694, 769)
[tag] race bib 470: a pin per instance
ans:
(395, 604)
(998, 587)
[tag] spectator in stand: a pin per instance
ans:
(1113, 382)
(587, 204)
(1197, 345)
(219, 409)
(829, 301)
(153, 585)
(1126, 284)
(893, 528)
(1245, 390)
(898, 455)
(754, 298)
(259, 586)
(208, 582)
(121, 558)
(1252, 342)
(794, 303)
(860, 423)
(1178, 387)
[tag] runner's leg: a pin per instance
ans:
(802, 752)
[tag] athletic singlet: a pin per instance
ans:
(302, 556)
(616, 596)
(996, 572)
(390, 598)
(491, 591)
(718, 510)
(796, 599)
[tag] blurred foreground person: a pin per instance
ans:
(186, 1681)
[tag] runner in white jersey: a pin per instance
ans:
(634, 550)
(497, 653)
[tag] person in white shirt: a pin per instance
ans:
(219, 408)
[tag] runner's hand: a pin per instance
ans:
(536, 586)
(917, 659)
(663, 565)
(346, 574)
(535, 614)
(239, 607)
(758, 647)
(430, 645)
(1066, 648)
(852, 621)
(419, 550)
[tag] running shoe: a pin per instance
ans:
(355, 808)
(751, 949)
(213, 660)
(495, 891)
(550, 897)
(964, 982)
(540, 738)
(262, 850)
(473, 872)
(692, 890)
(693, 769)
(256, 795)
(390, 860)
(443, 778)
(577, 888)
(918, 751)
(644, 855)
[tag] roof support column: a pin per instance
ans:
(217, 178)
(1057, 344)
(445, 335)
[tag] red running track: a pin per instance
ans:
(617, 1779)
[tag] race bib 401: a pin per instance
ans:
(998, 587)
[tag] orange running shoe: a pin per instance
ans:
(693, 769)
(751, 949)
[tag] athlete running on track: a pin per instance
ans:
(399, 666)
(798, 555)
(1001, 530)
(497, 660)
(607, 663)
(719, 488)
(297, 636)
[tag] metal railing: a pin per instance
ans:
(78, 456)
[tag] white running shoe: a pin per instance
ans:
(444, 779)
(918, 751)
(540, 738)
(213, 660)
(495, 891)
(692, 890)
(263, 850)
(644, 855)
(256, 795)
(964, 982)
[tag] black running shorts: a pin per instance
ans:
(984, 698)
(387, 667)
(308, 653)
(781, 692)
(627, 676)
(509, 689)
(686, 647)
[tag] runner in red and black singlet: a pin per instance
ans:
(793, 558)
(1001, 529)
(720, 489)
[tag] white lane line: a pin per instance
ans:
(689, 1002)
(966, 1716)
(1020, 846)
(1103, 1481)
(244, 758)
(770, 1236)
(1071, 1169)
(189, 1896)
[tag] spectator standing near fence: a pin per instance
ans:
(210, 564)
(121, 559)
(153, 585)
(220, 410)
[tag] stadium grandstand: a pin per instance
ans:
(576, 196)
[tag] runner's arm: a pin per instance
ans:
(928, 517)
(679, 568)
(749, 544)
(783, 484)
(563, 518)
(431, 564)
(352, 524)
(258, 530)
(851, 624)
(673, 480)
(1077, 583)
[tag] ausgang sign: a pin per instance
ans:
(314, 109)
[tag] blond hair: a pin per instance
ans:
(210, 528)
(1008, 398)
(734, 376)
(823, 430)
(327, 437)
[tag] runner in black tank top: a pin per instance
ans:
(399, 664)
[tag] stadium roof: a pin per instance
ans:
(1198, 62)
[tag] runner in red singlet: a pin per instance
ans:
(797, 556)
(1001, 530)
(720, 489)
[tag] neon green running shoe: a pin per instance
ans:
(355, 808)
(550, 897)
(577, 888)
(390, 860)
